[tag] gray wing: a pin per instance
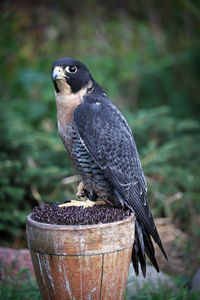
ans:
(108, 138)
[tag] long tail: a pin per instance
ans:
(142, 245)
(145, 228)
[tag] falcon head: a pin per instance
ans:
(70, 76)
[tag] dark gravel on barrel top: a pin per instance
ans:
(74, 215)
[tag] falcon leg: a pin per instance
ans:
(82, 192)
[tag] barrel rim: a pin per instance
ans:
(57, 227)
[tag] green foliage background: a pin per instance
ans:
(146, 55)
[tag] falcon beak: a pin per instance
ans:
(58, 73)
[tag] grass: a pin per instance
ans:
(20, 287)
(149, 292)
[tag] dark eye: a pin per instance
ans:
(71, 69)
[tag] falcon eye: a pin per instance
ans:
(71, 69)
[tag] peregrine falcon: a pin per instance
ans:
(101, 144)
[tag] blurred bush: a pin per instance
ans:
(145, 56)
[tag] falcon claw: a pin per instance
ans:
(85, 204)
(67, 201)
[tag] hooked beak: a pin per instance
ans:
(58, 73)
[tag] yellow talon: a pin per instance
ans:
(85, 204)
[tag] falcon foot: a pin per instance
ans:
(85, 204)
(81, 191)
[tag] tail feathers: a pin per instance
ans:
(162, 249)
(141, 245)
(138, 256)
(135, 255)
(149, 249)
(138, 203)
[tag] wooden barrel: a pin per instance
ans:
(81, 262)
